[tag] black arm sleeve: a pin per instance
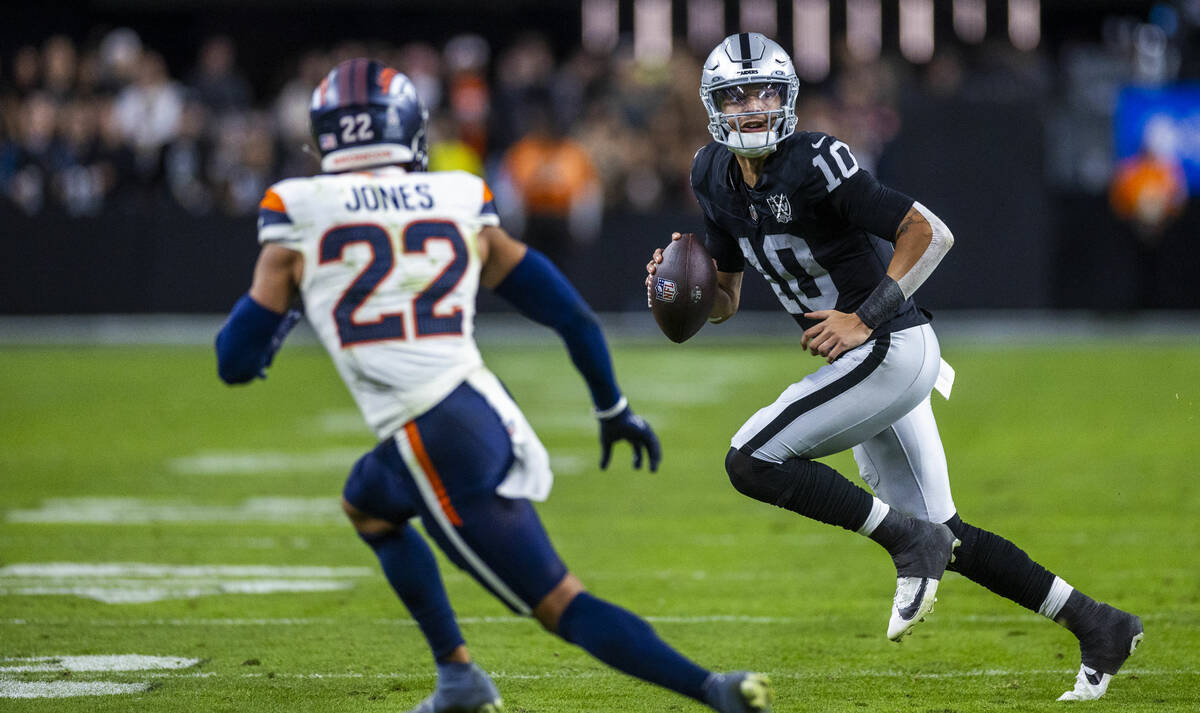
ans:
(723, 247)
(865, 202)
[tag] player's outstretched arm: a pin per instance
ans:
(532, 284)
(259, 322)
(729, 287)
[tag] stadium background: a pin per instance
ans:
(139, 136)
(170, 545)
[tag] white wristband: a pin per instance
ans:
(621, 405)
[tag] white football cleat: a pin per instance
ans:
(914, 599)
(1090, 684)
(1107, 646)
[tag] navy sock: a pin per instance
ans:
(412, 571)
(626, 642)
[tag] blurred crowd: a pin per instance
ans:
(561, 138)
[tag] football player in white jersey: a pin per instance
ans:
(387, 260)
(797, 206)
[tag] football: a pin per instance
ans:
(684, 287)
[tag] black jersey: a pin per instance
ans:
(810, 226)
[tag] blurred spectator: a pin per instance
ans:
(81, 181)
(216, 82)
(243, 162)
(60, 64)
(555, 186)
(1148, 194)
(609, 130)
(120, 55)
(448, 151)
(33, 158)
(523, 73)
(422, 63)
(26, 71)
(186, 159)
(467, 91)
(148, 111)
(866, 95)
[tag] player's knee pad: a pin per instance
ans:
(748, 475)
(772, 483)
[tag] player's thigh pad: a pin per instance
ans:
(905, 464)
(844, 403)
(452, 458)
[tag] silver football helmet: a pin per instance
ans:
(743, 67)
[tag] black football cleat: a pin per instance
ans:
(1109, 636)
(920, 563)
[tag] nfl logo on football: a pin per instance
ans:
(664, 290)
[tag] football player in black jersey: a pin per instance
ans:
(844, 254)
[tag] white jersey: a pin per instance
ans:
(391, 271)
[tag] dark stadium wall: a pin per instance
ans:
(161, 259)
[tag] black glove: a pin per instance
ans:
(628, 426)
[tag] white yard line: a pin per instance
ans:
(67, 689)
(267, 462)
(118, 662)
(508, 620)
(136, 511)
(74, 570)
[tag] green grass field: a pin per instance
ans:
(1085, 455)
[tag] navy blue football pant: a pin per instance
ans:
(445, 467)
(459, 451)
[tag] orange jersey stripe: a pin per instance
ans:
(414, 437)
(272, 201)
(487, 194)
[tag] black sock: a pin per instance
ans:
(803, 486)
(992, 561)
(892, 531)
(1078, 614)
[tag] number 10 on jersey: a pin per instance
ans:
(428, 323)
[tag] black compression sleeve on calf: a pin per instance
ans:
(992, 561)
(803, 486)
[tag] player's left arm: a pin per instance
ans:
(261, 319)
(921, 241)
(531, 283)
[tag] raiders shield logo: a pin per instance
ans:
(780, 206)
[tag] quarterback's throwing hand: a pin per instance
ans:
(628, 426)
(836, 334)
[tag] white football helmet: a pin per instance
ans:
(741, 60)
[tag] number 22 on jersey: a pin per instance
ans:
(367, 283)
